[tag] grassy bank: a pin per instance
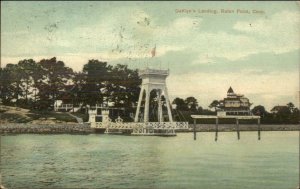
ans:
(19, 115)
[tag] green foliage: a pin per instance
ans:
(259, 110)
(191, 103)
(96, 74)
(56, 76)
(11, 84)
(36, 86)
(124, 86)
(180, 104)
(286, 115)
(214, 104)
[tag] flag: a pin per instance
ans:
(153, 51)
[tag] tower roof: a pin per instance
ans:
(230, 90)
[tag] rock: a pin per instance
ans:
(45, 128)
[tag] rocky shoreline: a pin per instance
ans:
(76, 128)
(20, 128)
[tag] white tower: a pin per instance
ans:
(153, 79)
(92, 116)
(105, 117)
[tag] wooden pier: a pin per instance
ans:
(217, 117)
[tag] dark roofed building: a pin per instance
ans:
(64, 100)
(276, 109)
(235, 104)
(230, 90)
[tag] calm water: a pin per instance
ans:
(111, 161)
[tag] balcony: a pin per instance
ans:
(153, 72)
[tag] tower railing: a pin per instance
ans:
(153, 71)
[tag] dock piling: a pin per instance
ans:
(258, 128)
(238, 128)
(195, 129)
(217, 128)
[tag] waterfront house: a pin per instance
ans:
(234, 104)
(277, 108)
(65, 99)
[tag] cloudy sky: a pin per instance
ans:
(251, 46)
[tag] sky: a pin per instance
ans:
(207, 46)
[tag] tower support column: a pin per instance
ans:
(168, 104)
(136, 118)
(146, 112)
(160, 113)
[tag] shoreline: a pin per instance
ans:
(60, 128)
(76, 128)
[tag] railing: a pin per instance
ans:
(133, 125)
(152, 71)
(98, 125)
(63, 107)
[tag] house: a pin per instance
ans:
(277, 108)
(64, 101)
(235, 104)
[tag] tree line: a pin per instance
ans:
(37, 85)
(285, 114)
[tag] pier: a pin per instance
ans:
(140, 129)
(218, 117)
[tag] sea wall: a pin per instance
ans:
(75, 128)
(14, 128)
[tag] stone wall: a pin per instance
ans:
(14, 128)
(75, 128)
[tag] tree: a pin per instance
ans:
(180, 104)
(31, 73)
(37, 75)
(295, 116)
(6, 88)
(291, 106)
(18, 81)
(11, 83)
(214, 104)
(200, 109)
(97, 75)
(124, 85)
(79, 81)
(283, 114)
(192, 103)
(57, 75)
(259, 110)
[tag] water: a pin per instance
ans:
(111, 161)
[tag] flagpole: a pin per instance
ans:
(147, 62)
(160, 65)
